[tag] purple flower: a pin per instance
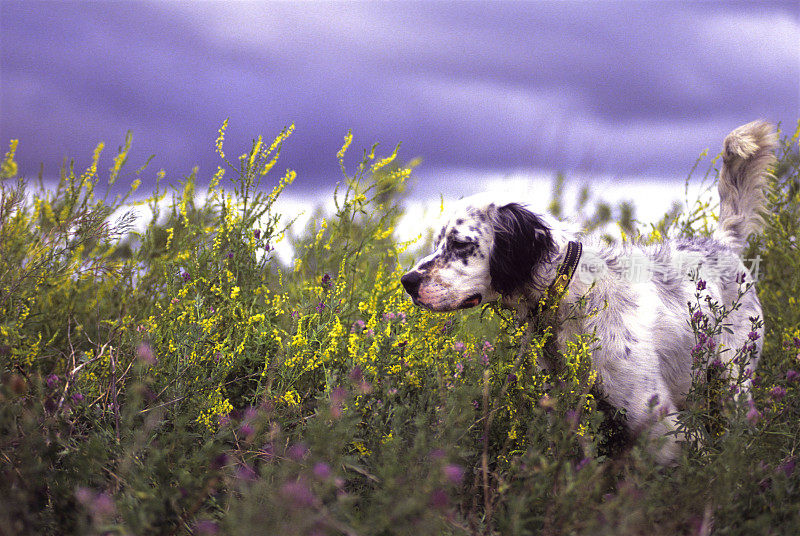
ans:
(77, 397)
(364, 387)
(326, 280)
(356, 374)
(186, 276)
(257, 233)
(145, 352)
(230, 254)
(439, 499)
(711, 343)
(701, 285)
(219, 461)
(437, 454)
(246, 430)
(52, 381)
(320, 307)
(246, 473)
(103, 505)
(797, 342)
(322, 470)
(338, 396)
(581, 464)
(298, 451)
(716, 363)
(697, 316)
(753, 415)
(777, 392)
(298, 494)
(792, 375)
(100, 504)
(753, 336)
(206, 527)
(788, 466)
(84, 495)
(268, 247)
(454, 473)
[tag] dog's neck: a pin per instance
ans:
(546, 274)
(563, 233)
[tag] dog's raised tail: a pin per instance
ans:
(747, 154)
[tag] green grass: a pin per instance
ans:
(180, 380)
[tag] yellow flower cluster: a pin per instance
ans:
(348, 139)
(87, 182)
(122, 155)
(291, 398)
(275, 146)
(221, 139)
(8, 168)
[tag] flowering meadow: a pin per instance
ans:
(177, 378)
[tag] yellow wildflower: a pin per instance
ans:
(221, 138)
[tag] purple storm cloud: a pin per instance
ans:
(607, 87)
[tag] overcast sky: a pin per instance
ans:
(613, 88)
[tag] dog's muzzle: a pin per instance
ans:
(412, 281)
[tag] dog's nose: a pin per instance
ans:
(411, 282)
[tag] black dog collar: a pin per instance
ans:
(568, 268)
(564, 275)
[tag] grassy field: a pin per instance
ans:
(180, 380)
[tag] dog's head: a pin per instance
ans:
(484, 250)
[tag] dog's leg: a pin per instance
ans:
(666, 441)
(657, 419)
(633, 383)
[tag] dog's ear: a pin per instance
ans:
(521, 242)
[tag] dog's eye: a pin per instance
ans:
(459, 244)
